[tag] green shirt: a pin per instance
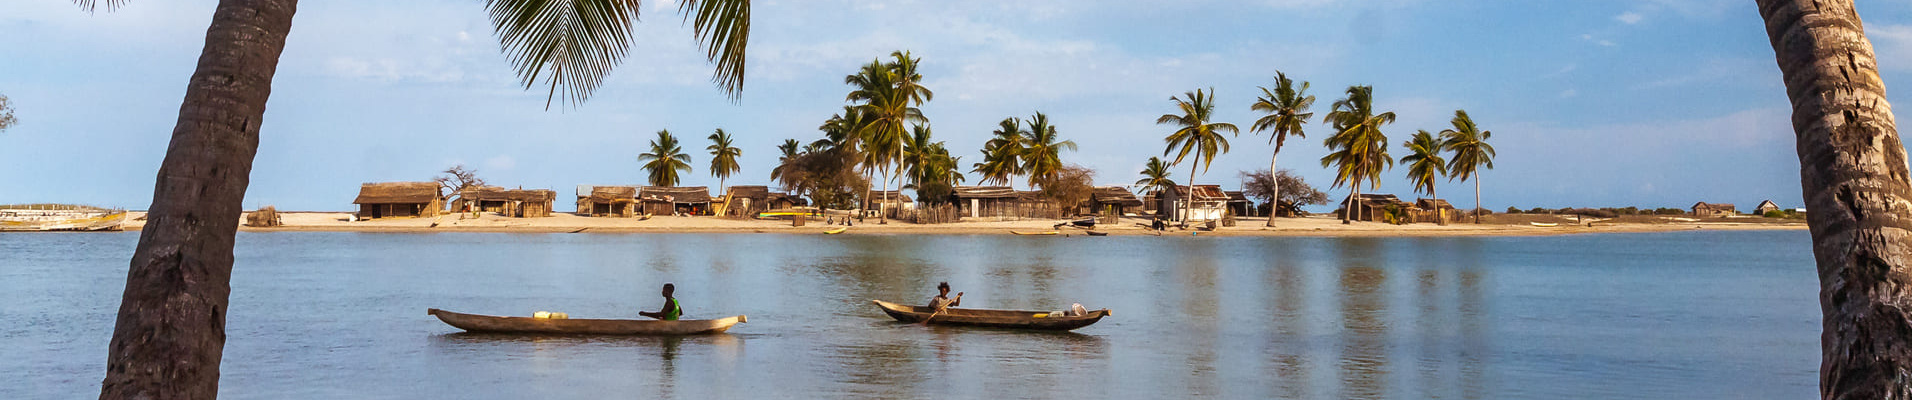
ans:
(673, 310)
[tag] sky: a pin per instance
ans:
(1610, 103)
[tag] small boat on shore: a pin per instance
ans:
(59, 217)
(1035, 233)
(1094, 233)
(835, 231)
(1013, 319)
(1545, 224)
(494, 324)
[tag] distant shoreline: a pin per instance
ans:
(1314, 226)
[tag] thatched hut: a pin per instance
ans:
(881, 200)
(480, 199)
(1240, 205)
(783, 201)
(986, 201)
(1765, 206)
(399, 199)
(529, 203)
(264, 217)
(1704, 209)
(686, 200)
(1208, 203)
(1372, 207)
(1114, 200)
(746, 200)
(607, 201)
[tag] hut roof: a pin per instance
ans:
(1376, 200)
(1236, 196)
(1716, 206)
(482, 193)
(1203, 192)
(1433, 204)
(674, 194)
(1116, 195)
(984, 192)
(894, 196)
(538, 195)
(397, 193)
(758, 193)
(793, 199)
(607, 194)
(1765, 203)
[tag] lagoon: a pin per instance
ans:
(342, 315)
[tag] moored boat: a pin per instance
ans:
(1094, 233)
(1042, 233)
(835, 231)
(59, 217)
(1545, 224)
(494, 324)
(1014, 319)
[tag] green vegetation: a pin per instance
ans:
(932, 171)
(1002, 154)
(664, 160)
(723, 157)
(1195, 133)
(1042, 158)
(1155, 176)
(1287, 111)
(887, 96)
(1424, 163)
(1358, 150)
(1471, 152)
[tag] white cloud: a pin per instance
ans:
(1602, 42)
(1629, 17)
(1569, 93)
(501, 163)
(1892, 45)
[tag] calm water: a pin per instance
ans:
(342, 315)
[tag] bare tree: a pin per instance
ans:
(456, 179)
(6, 113)
(1852, 169)
(1285, 190)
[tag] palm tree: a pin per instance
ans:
(888, 93)
(1424, 164)
(1195, 134)
(1471, 152)
(1287, 109)
(1358, 149)
(1155, 176)
(1854, 177)
(790, 151)
(723, 157)
(664, 160)
(170, 330)
(1004, 151)
(1042, 157)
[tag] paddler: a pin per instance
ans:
(942, 299)
(671, 310)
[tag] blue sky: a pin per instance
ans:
(1592, 103)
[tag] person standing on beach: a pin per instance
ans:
(671, 309)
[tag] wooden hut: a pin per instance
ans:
(1207, 203)
(1114, 201)
(607, 201)
(744, 201)
(1765, 207)
(1435, 210)
(1239, 204)
(1371, 207)
(663, 200)
(986, 201)
(1704, 209)
(480, 199)
(784, 201)
(399, 199)
(528, 203)
(881, 200)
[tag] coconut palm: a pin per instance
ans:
(931, 171)
(723, 157)
(790, 150)
(170, 331)
(1358, 150)
(888, 93)
(1004, 152)
(1194, 133)
(1042, 158)
(1471, 152)
(1155, 176)
(1287, 109)
(1424, 162)
(1854, 177)
(664, 160)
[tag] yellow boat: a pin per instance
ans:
(1035, 233)
(835, 231)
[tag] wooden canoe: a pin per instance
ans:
(835, 231)
(1094, 233)
(1035, 233)
(495, 324)
(991, 318)
(1545, 224)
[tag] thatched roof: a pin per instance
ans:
(1115, 195)
(609, 194)
(1765, 204)
(894, 196)
(1433, 204)
(758, 193)
(795, 200)
(1236, 196)
(397, 193)
(679, 195)
(1713, 206)
(984, 192)
(1376, 200)
(1203, 192)
(483, 193)
(534, 195)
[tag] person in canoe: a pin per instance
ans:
(942, 298)
(671, 309)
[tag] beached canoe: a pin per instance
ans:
(1094, 233)
(1035, 233)
(494, 324)
(835, 231)
(1037, 320)
(1545, 224)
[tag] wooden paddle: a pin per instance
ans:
(942, 307)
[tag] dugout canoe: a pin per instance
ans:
(494, 324)
(835, 231)
(1041, 233)
(1013, 319)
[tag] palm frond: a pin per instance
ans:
(93, 5)
(570, 44)
(723, 26)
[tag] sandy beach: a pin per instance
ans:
(1318, 225)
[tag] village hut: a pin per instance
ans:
(480, 199)
(986, 201)
(528, 203)
(1372, 207)
(746, 200)
(663, 200)
(1765, 207)
(1434, 210)
(1114, 201)
(784, 201)
(883, 200)
(399, 199)
(1239, 204)
(607, 201)
(1704, 209)
(264, 217)
(1207, 203)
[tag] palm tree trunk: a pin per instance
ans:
(1854, 175)
(1188, 211)
(1476, 199)
(1274, 202)
(170, 333)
